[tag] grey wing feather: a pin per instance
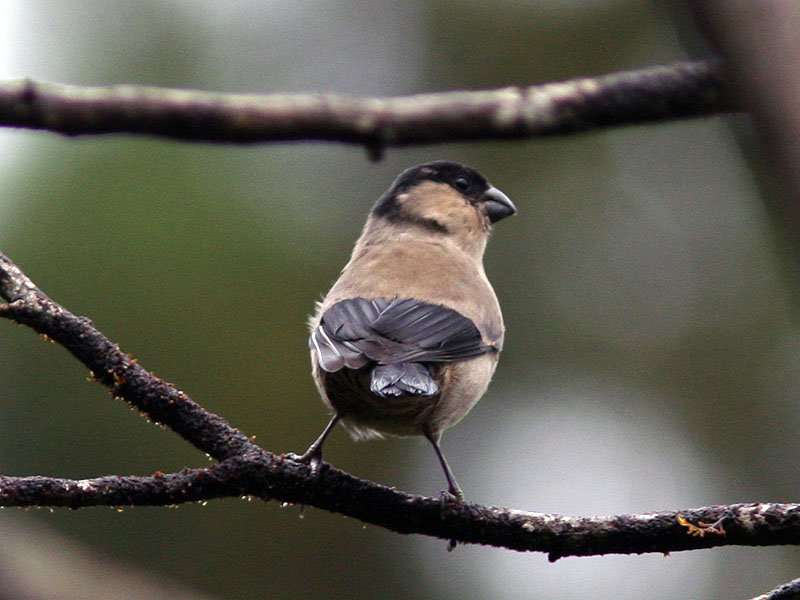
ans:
(429, 333)
(354, 332)
(342, 326)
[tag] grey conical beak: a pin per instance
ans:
(498, 205)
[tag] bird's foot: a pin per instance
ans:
(446, 500)
(312, 458)
(448, 497)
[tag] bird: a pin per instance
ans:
(407, 339)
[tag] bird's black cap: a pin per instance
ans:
(463, 179)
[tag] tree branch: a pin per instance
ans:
(680, 90)
(269, 476)
(247, 470)
(758, 40)
(160, 401)
(787, 591)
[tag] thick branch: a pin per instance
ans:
(160, 401)
(269, 476)
(787, 591)
(247, 470)
(689, 89)
(758, 39)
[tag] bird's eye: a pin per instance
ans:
(461, 183)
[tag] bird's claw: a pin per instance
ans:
(311, 458)
(447, 499)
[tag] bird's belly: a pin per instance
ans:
(367, 415)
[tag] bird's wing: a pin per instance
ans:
(354, 332)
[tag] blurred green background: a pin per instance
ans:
(652, 348)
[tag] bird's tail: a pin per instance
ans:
(390, 381)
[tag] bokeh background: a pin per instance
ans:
(652, 347)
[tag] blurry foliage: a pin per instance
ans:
(204, 261)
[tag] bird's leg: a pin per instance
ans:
(313, 456)
(452, 486)
(453, 493)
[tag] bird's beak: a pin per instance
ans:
(498, 205)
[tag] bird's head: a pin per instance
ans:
(446, 200)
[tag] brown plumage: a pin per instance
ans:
(407, 339)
